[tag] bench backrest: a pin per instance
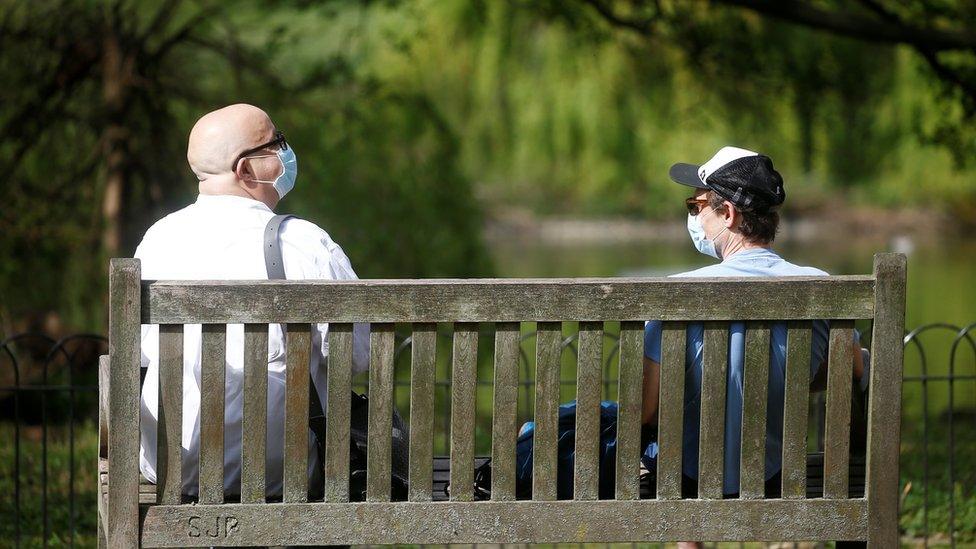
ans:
(504, 304)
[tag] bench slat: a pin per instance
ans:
(255, 417)
(796, 409)
(423, 350)
(299, 347)
(504, 416)
(629, 410)
(671, 407)
(755, 382)
(544, 451)
(379, 447)
(337, 414)
(838, 414)
(213, 366)
(508, 300)
(464, 368)
(589, 381)
(169, 460)
(712, 433)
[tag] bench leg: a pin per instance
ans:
(102, 539)
(851, 544)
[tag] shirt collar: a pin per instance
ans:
(751, 254)
(230, 201)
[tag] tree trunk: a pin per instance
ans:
(117, 69)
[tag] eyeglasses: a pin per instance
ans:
(695, 205)
(278, 141)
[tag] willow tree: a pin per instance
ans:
(941, 32)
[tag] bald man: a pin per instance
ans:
(244, 167)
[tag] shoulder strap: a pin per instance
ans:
(272, 247)
(275, 266)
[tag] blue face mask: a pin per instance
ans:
(697, 233)
(289, 172)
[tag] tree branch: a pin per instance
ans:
(183, 33)
(162, 18)
(641, 26)
(858, 26)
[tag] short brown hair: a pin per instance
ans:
(758, 227)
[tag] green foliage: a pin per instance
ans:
(412, 117)
(93, 131)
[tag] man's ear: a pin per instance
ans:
(243, 170)
(731, 214)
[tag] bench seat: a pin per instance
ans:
(442, 473)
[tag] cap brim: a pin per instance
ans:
(686, 174)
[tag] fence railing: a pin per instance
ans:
(941, 382)
(48, 446)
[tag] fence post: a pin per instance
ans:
(884, 414)
(123, 433)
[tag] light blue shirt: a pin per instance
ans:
(752, 262)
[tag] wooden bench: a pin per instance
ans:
(832, 507)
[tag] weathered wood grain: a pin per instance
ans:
(589, 380)
(884, 412)
(752, 475)
(838, 415)
(422, 362)
(123, 417)
(337, 413)
(544, 450)
(213, 365)
(505, 406)
(255, 416)
(380, 446)
(671, 407)
(169, 461)
(464, 369)
(629, 410)
(506, 522)
(796, 409)
(298, 352)
(715, 363)
(104, 373)
(508, 300)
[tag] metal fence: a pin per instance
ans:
(48, 447)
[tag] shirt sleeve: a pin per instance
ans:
(323, 259)
(652, 340)
(340, 268)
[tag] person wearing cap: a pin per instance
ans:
(733, 216)
(244, 167)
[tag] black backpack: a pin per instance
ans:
(358, 432)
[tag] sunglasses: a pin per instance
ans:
(695, 205)
(278, 141)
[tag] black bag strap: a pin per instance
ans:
(274, 264)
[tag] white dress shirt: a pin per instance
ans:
(221, 237)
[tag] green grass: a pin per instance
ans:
(58, 486)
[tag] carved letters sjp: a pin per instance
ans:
(221, 527)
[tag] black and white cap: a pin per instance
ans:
(743, 177)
